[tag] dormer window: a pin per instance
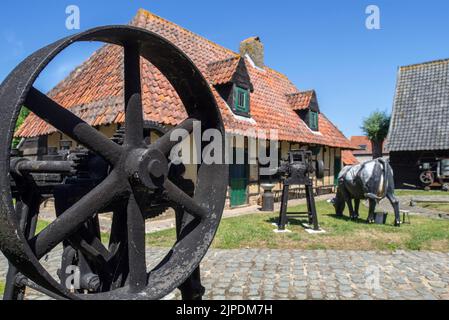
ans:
(231, 79)
(241, 100)
(305, 104)
(313, 120)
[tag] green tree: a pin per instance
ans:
(376, 128)
(24, 112)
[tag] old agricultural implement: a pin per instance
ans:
(125, 175)
(435, 173)
(298, 170)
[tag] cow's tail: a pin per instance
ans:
(373, 196)
(386, 173)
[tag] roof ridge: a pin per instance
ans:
(298, 92)
(277, 72)
(338, 130)
(150, 14)
(410, 66)
(238, 57)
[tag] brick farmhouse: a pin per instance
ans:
(250, 95)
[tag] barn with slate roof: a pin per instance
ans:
(419, 129)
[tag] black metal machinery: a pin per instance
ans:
(297, 170)
(435, 172)
(125, 175)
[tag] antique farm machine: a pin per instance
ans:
(434, 173)
(298, 170)
(124, 175)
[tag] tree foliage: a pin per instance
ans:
(376, 126)
(24, 112)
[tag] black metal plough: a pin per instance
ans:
(124, 175)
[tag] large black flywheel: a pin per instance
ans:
(138, 179)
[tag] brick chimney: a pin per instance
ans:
(254, 48)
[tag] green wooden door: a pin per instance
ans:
(238, 184)
(337, 169)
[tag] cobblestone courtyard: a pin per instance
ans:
(298, 274)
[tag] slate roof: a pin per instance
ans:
(420, 119)
(94, 90)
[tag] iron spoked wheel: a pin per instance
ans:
(137, 170)
(427, 178)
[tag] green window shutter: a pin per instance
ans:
(313, 120)
(241, 100)
(236, 102)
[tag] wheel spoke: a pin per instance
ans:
(164, 143)
(178, 196)
(136, 246)
(93, 250)
(71, 220)
(118, 235)
(68, 123)
(133, 96)
(118, 246)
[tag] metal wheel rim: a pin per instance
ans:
(425, 178)
(196, 96)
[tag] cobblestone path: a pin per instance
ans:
(300, 274)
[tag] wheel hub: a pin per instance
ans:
(147, 166)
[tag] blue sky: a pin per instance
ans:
(320, 44)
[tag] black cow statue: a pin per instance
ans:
(372, 180)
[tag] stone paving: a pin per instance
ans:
(301, 274)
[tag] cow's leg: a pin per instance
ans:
(339, 203)
(348, 201)
(395, 203)
(356, 208)
(372, 207)
(350, 208)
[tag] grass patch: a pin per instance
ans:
(41, 225)
(2, 288)
(404, 192)
(256, 231)
(165, 238)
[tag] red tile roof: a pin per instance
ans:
(94, 90)
(348, 158)
(300, 100)
(359, 141)
(221, 72)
